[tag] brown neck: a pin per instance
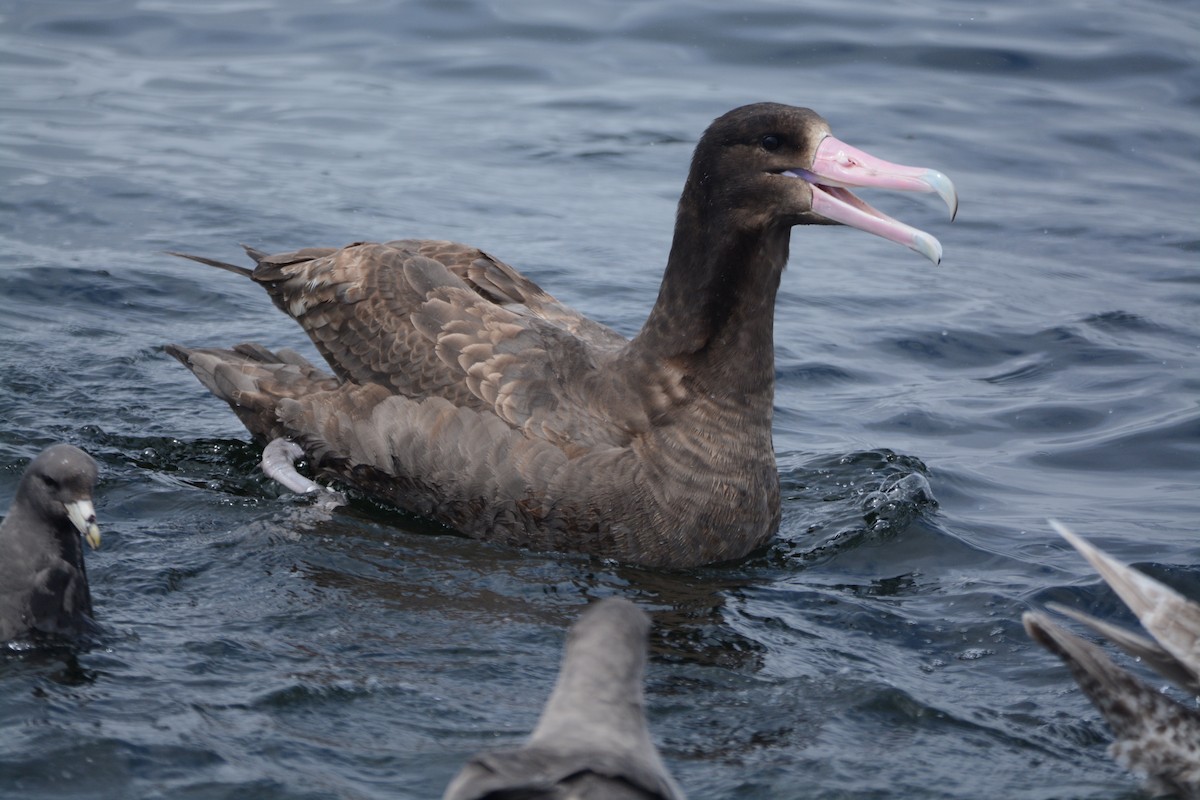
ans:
(715, 313)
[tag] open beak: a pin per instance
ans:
(83, 516)
(838, 166)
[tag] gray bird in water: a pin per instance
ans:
(591, 742)
(1155, 735)
(43, 583)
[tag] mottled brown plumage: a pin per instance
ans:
(463, 391)
(1156, 736)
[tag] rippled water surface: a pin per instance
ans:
(928, 420)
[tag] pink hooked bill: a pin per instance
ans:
(837, 166)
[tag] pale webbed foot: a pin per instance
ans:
(278, 463)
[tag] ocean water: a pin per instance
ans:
(928, 419)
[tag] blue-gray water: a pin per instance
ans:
(1049, 367)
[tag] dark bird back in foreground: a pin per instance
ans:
(43, 583)
(1155, 735)
(463, 392)
(591, 742)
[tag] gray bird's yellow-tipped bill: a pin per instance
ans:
(83, 516)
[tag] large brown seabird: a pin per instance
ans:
(463, 392)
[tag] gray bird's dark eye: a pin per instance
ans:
(769, 142)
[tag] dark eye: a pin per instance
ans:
(50, 482)
(769, 142)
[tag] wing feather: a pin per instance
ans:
(437, 319)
